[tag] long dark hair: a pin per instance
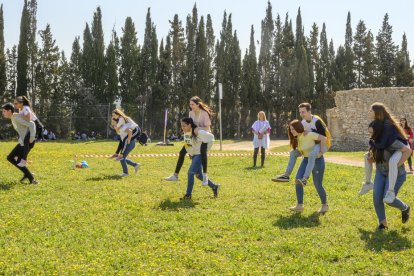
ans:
(189, 121)
(293, 140)
(382, 113)
(377, 129)
(202, 105)
(405, 126)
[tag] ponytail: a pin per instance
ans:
(189, 121)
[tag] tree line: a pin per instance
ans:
(284, 67)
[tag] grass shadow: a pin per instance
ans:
(253, 168)
(168, 205)
(296, 220)
(384, 240)
(104, 177)
(7, 186)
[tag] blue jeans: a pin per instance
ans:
(317, 173)
(380, 189)
(196, 169)
(294, 154)
(124, 160)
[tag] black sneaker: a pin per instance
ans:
(34, 181)
(382, 227)
(405, 215)
(186, 197)
(215, 190)
(281, 178)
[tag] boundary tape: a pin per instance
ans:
(144, 155)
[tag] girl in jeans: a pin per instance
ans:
(128, 131)
(305, 144)
(194, 138)
(201, 114)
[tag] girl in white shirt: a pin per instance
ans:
(128, 130)
(261, 130)
(24, 107)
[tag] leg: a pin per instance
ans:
(195, 169)
(263, 155)
(127, 149)
(180, 160)
(318, 173)
(299, 175)
(368, 167)
(293, 155)
(204, 158)
(378, 195)
(256, 151)
(16, 152)
(392, 176)
(410, 163)
(311, 160)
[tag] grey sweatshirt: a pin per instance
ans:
(21, 126)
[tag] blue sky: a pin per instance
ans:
(68, 18)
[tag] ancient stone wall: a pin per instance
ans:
(348, 121)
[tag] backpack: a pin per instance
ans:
(142, 138)
(327, 132)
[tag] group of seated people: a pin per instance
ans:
(84, 137)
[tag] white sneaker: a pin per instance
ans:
(298, 208)
(172, 177)
(323, 209)
(205, 180)
(22, 163)
(389, 197)
(366, 187)
(124, 174)
(136, 168)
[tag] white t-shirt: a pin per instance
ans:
(125, 126)
(26, 111)
(193, 144)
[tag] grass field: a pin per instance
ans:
(90, 221)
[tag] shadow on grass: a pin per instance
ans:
(5, 186)
(253, 168)
(296, 220)
(384, 240)
(168, 205)
(104, 177)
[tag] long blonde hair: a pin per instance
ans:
(261, 113)
(121, 114)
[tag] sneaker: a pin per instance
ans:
(382, 227)
(215, 190)
(405, 215)
(113, 156)
(323, 209)
(124, 174)
(22, 163)
(298, 208)
(34, 181)
(281, 178)
(186, 197)
(389, 197)
(302, 181)
(172, 177)
(118, 158)
(205, 180)
(366, 187)
(136, 168)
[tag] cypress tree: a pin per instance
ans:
(359, 48)
(22, 52)
(11, 73)
(404, 72)
(3, 77)
(98, 58)
(349, 76)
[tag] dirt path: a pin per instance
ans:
(248, 145)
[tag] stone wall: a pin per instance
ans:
(348, 121)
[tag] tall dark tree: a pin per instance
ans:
(110, 93)
(98, 58)
(349, 75)
(11, 74)
(211, 54)
(267, 33)
(202, 66)
(403, 70)
(359, 48)
(385, 55)
(129, 58)
(32, 51)
(3, 77)
(23, 51)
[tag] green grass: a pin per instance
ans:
(89, 221)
